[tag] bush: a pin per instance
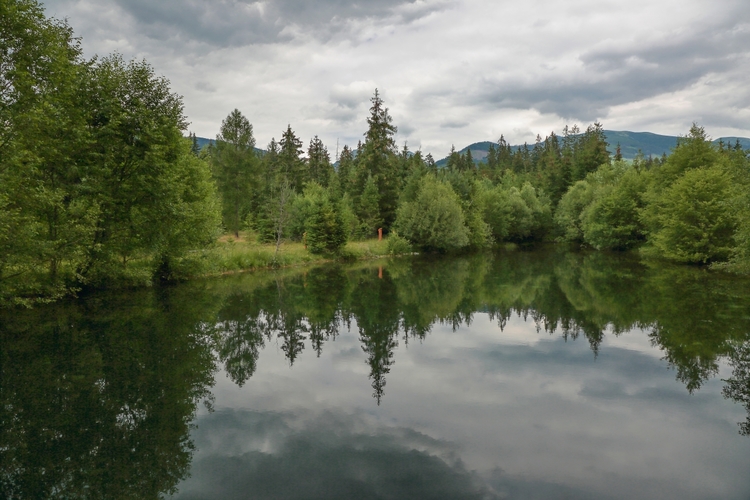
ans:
(397, 244)
(435, 220)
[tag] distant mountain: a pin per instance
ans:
(630, 143)
(203, 142)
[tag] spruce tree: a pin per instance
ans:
(318, 162)
(291, 164)
(234, 165)
(378, 158)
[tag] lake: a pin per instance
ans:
(518, 374)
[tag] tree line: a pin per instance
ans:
(690, 207)
(99, 186)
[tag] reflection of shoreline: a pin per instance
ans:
(572, 295)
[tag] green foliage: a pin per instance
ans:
(318, 162)
(369, 209)
(530, 214)
(234, 165)
(289, 160)
(348, 216)
(326, 232)
(569, 210)
(397, 244)
(303, 207)
(692, 151)
(695, 219)
(377, 159)
(612, 219)
(435, 220)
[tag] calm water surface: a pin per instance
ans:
(537, 374)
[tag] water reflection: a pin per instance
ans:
(99, 395)
(97, 398)
(696, 318)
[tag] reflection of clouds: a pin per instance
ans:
(328, 455)
(545, 411)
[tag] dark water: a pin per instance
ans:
(515, 375)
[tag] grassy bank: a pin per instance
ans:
(231, 254)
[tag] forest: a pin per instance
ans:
(99, 186)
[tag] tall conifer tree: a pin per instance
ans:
(234, 164)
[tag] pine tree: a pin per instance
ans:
(291, 164)
(378, 158)
(235, 168)
(345, 169)
(368, 210)
(454, 159)
(318, 162)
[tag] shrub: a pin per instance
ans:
(435, 220)
(695, 219)
(397, 244)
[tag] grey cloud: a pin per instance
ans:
(454, 124)
(406, 129)
(205, 87)
(334, 455)
(245, 22)
(615, 76)
(338, 455)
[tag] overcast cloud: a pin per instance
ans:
(450, 71)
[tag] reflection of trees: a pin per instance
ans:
(96, 399)
(690, 314)
(738, 387)
(375, 305)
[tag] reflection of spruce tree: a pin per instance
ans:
(324, 291)
(375, 306)
(289, 325)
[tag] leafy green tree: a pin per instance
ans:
(435, 220)
(234, 164)
(46, 215)
(494, 204)
(139, 170)
(612, 220)
(303, 207)
(569, 210)
(531, 214)
(695, 219)
(692, 151)
(348, 216)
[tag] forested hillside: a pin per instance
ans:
(631, 144)
(98, 186)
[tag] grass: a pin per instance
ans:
(232, 254)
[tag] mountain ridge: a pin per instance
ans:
(649, 143)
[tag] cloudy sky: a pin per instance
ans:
(450, 71)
